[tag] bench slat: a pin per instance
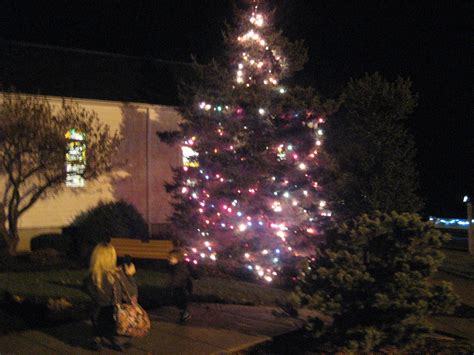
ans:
(153, 249)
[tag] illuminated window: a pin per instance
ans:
(75, 158)
(190, 157)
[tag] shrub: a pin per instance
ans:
(373, 279)
(113, 219)
(45, 257)
(59, 242)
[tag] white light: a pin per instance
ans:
(267, 278)
(302, 166)
(322, 203)
(282, 90)
(203, 255)
(265, 252)
(206, 243)
(260, 273)
(286, 194)
(247, 255)
(465, 199)
(261, 111)
(320, 132)
(242, 227)
(305, 193)
(213, 257)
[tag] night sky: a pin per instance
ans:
(428, 41)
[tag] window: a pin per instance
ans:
(75, 158)
(190, 157)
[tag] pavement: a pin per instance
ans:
(213, 329)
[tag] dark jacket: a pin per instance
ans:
(111, 293)
(180, 276)
(130, 283)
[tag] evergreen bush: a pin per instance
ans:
(373, 279)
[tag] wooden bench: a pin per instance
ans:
(136, 248)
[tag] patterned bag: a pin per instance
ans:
(130, 318)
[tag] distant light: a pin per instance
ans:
(465, 199)
(261, 111)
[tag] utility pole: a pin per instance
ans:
(470, 226)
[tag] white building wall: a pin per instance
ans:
(143, 166)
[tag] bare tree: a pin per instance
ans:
(34, 144)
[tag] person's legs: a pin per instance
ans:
(181, 301)
(97, 341)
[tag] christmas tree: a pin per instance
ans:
(248, 190)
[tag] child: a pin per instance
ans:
(128, 271)
(181, 283)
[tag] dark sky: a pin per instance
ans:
(428, 41)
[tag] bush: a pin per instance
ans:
(107, 220)
(373, 280)
(48, 256)
(59, 242)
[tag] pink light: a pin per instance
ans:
(295, 156)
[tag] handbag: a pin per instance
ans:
(130, 318)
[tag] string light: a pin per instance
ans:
(258, 64)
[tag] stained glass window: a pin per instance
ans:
(75, 158)
(190, 157)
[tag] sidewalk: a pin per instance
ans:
(213, 329)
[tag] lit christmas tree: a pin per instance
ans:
(248, 190)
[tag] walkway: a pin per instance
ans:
(213, 329)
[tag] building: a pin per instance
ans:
(135, 96)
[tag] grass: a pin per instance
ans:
(43, 285)
(459, 263)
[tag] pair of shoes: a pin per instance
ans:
(96, 344)
(184, 317)
(117, 346)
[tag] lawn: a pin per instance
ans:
(458, 263)
(43, 285)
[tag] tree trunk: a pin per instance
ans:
(3, 230)
(9, 237)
